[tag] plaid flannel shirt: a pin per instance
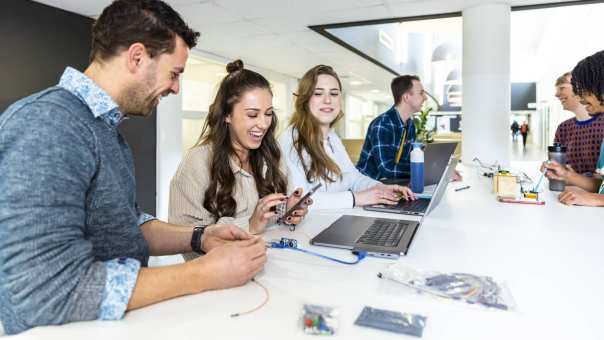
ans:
(384, 137)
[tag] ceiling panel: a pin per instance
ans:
(284, 25)
(364, 3)
(359, 13)
(313, 42)
(202, 15)
(260, 9)
(88, 8)
(239, 29)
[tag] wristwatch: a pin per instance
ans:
(196, 239)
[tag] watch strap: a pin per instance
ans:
(196, 239)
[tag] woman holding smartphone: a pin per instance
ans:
(235, 174)
(315, 154)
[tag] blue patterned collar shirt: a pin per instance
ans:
(99, 102)
(121, 273)
(385, 135)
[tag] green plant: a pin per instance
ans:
(423, 135)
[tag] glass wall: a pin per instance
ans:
(358, 114)
(430, 48)
(545, 43)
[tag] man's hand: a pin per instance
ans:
(219, 234)
(589, 199)
(457, 176)
(231, 264)
(383, 194)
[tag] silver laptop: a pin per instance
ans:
(438, 155)
(421, 206)
(381, 237)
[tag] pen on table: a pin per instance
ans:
(462, 188)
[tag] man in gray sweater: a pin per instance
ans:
(73, 243)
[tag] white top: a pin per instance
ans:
(331, 195)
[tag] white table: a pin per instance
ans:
(550, 257)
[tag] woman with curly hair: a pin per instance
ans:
(234, 174)
(588, 83)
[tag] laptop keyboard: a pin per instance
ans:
(385, 233)
(417, 205)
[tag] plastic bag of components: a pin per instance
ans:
(319, 320)
(473, 289)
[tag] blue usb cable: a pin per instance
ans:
(289, 243)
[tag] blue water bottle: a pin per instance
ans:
(417, 168)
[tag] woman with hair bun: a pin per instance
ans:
(235, 174)
(315, 154)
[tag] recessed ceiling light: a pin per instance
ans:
(221, 74)
(356, 82)
(375, 91)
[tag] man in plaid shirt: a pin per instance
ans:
(387, 147)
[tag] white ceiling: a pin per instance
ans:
(274, 34)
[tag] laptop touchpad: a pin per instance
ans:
(347, 229)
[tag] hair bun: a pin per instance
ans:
(234, 66)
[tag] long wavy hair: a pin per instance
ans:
(264, 161)
(309, 137)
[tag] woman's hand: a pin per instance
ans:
(557, 171)
(383, 194)
(589, 199)
(264, 212)
(297, 215)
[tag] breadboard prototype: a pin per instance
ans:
(506, 185)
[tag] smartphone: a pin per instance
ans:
(299, 203)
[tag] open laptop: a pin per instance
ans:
(381, 237)
(436, 158)
(422, 205)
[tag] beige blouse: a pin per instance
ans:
(192, 179)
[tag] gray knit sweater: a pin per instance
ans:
(67, 204)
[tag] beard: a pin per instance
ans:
(140, 99)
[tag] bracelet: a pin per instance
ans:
(354, 203)
(196, 240)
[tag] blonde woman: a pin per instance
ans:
(315, 154)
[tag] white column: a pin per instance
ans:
(486, 83)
